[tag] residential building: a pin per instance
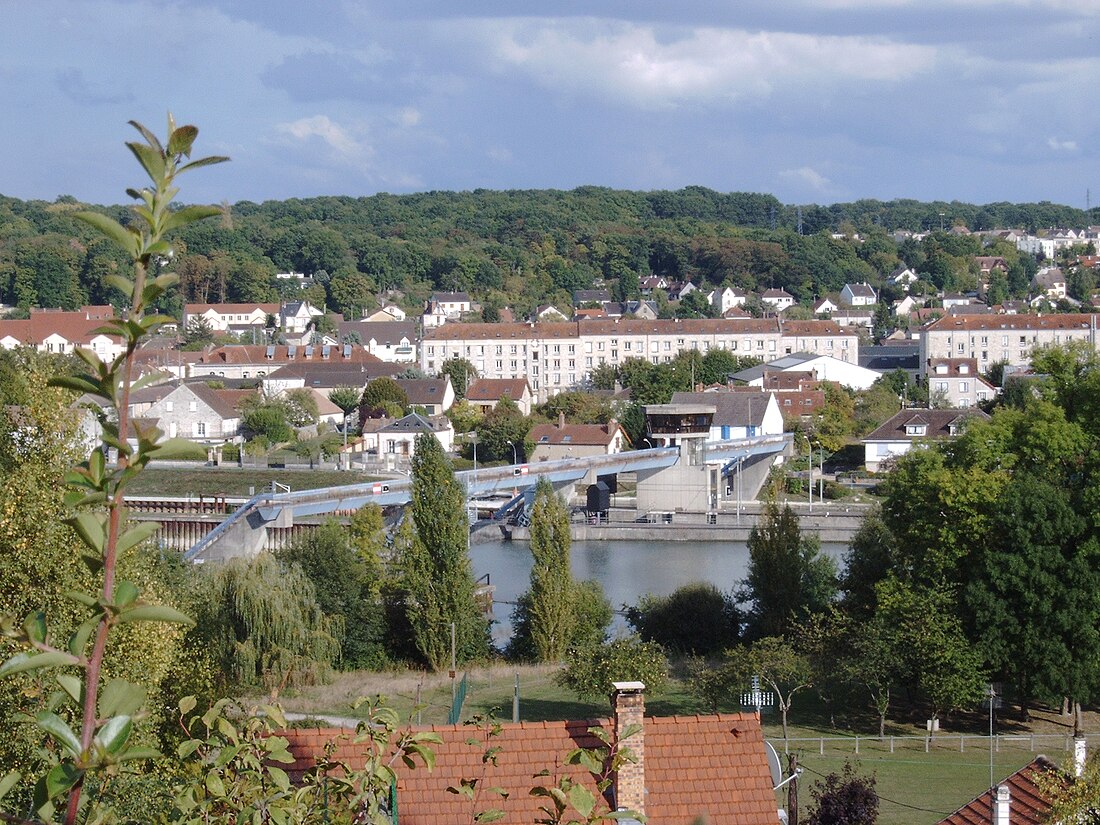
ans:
(727, 298)
(246, 361)
(685, 769)
(444, 307)
(558, 356)
(295, 317)
(197, 412)
(232, 317)
(486, 393)
(904, 306)
(325, 376)
(387, 312)
(61, 331)
(1050, 283)
(737, 414)
(823, 368)
(1020, 799)
(591, 296)
(826, 306)
(549, 312)
(858, 295)
(862, 317)
(913, 427)
(561, 440)
(903, 276)
(388, 340)
(955, 382)
(1007, 338)
(398, 437)
(777, 299)
(434, 395)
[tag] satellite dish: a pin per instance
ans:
(773, 765)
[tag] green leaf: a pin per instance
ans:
(81, 598)
(92, 530)
(126, 593)
(154, 613)
(61, 778)
(279, 777)
(582, 799)
(176, 449)
(112, 737)
(151, 160)
(195, 164)
(489, 815)
(149, 135)
(79, 640)
(121, 283)
(137, 534)
(134, 754)
(10, 780)
(118, 233)
(120, 697)
(56, 727)
(71, 685)
(181, 140)
(190, 214)
(22, 662)
(78, 384)
(215, 785)
(187, 704)
(35, 625)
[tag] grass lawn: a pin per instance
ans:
(915, 787)
(233, 481)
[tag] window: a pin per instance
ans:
(916, 429)
(192, 406)
(169, 406)
(964, 386)
(200, 429)
(962, 347)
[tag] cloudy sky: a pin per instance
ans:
(810, 100)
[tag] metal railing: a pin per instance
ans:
(938, 741)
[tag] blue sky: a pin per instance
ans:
(810, 100)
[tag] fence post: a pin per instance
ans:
(891, 743)
(1033, 743)
(857, 745)
(962, 743)
(821, 749)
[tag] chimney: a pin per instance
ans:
(628, 702)
(1080, 755)
(561, 420)
(1002, 806)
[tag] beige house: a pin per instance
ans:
(230, 317)
(561, 440)
(955, 382)
(913, 428)
(1007, 338)
(485, 393)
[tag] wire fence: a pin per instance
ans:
(930, 743)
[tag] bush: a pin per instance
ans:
(593, 616)
(834, 491)
(697, 619)
(591, 670)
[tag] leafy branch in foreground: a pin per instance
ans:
(95, 494)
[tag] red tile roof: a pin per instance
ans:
(281, 355)
(1027, 804)
(493, 389)
(583, 434)
(695, 766)
(1074, 320)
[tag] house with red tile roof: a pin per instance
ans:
(1018, 800)
(231, 317)
(62, 331)
(561, 440)
(485, 393)
(684, 769)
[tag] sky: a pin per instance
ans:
(813, 101)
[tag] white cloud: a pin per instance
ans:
(665, 68)
(806, 176)
(499, 154)
(324, 129)
(1062, 145)
(407, 117)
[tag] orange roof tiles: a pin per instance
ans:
(1075, 320)
(695, 766)
(1027, 804)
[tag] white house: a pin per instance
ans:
(858, 295)
(197, 412)
(230, 317)
(446, 306)
(824, 368)
(393, 341)
(777, 299)
(296, 316)
(398, 437)
(826, 306)
(388, 312)
(955, 383)
(904, 277)
(738, 414)
(726, 299)
(910, 428)
(904, 306)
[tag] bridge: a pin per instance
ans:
(244, 531)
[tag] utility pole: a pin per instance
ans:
(792, 789)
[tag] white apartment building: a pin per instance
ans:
(226, 317)
(955, 383)
(559, 356)
(1009, 338)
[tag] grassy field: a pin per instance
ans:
(230, 481)
(915, 787)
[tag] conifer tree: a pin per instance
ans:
(439, 580)
(553, 593)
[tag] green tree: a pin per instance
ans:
(781, 667)
(346, 398)
(788, 577)
(346, 588)
(438, 577)
(378, 392)
(269, 420)
(197, 335)
(301, 407)
(553, 593)
(697, 619)
(589, 672)
(461, 372)
(261, 621)
(501, 429)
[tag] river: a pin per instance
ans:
(627, 570)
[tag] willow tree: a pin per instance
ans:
(438, 576)
(552, 610)
(262, 624)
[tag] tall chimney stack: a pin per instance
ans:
(628, 701)
(1002, 806)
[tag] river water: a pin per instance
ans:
(627, 570)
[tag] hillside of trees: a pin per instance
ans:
(514, 248)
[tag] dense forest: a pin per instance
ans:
(518, 248)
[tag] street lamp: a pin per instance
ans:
(515, 455)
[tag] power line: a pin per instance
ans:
(891, 801)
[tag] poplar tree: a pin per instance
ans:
(552, 608)
(439, 579)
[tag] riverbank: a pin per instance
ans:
(831, 522)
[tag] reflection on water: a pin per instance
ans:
(627, 570)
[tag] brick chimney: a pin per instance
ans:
(628, 703)
(561, 420)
